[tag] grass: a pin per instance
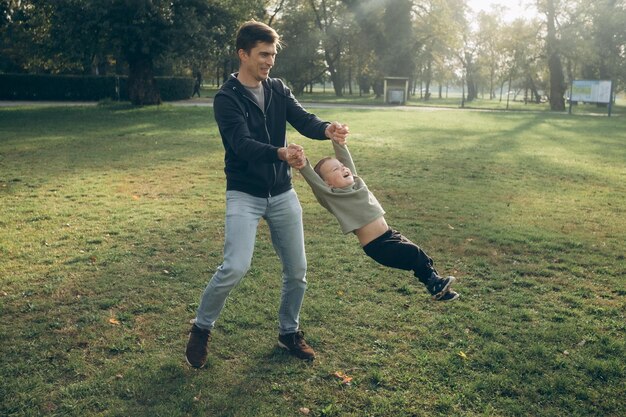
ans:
(112, 223)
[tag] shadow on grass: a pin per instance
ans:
(77, 141)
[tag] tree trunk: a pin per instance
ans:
(472, 92)
(429, 75)
(557, 79)
(471, 85)
(335, 75)
(350, 80)
(142, 87)
(534, 96)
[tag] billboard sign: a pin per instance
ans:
(591, 91)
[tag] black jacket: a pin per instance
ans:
(251, 138)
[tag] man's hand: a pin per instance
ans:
(337, 132)
(293, 155)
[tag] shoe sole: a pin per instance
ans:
(444, 290)
(193, 366)
(454, 297)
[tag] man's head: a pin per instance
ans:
(257, 45)
(253, 32)
(334, 173)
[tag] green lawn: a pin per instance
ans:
(111, 225)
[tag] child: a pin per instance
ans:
(340, 191)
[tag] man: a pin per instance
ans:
(251, 110)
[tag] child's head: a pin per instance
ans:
(334, 173)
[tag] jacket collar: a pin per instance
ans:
(235, 85)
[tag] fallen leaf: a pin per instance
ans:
(451, 227)
(304, 411)
(136, 197)
(345, 379)
(462, 355)
(115, 321)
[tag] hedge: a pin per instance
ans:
(84, 87)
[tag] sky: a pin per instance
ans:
(515, 8)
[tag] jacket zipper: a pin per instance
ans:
(267, 133)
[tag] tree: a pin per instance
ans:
(301, 61)
(490, 59)
(24, 35)
(606, 36)
(147, 30)
(398, 57)
(367, 43)
(553, 52)
(388, 45)
(331, 18)
(522, 52)
(75, 35)
(439, 30)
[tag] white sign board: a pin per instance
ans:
(591, 91)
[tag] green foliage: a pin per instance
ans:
(87, 88)
(175, 88)
(112, 224)
(300, 61)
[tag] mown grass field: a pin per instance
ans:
(111, 224)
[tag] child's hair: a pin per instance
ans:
(318, 166)
(252, 32)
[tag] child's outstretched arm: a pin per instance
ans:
(316, 183)
(343, 155)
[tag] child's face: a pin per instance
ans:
(336, 174)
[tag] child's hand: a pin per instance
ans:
(295, 156)
(337, 132)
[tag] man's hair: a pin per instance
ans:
(318, 166)
(252, 32)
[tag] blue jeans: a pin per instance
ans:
(283, 215)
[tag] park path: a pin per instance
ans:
(209, 103)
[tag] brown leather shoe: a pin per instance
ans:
(197, 346)
(295, 344)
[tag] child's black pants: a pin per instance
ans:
(396, 251)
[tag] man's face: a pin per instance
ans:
(257, 64)
(336, 174)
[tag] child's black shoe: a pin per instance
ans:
(438, 286)
(450, 295)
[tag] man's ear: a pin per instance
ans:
(241, 54)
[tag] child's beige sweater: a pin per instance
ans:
(354, 206)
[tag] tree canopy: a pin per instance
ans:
(349, 42)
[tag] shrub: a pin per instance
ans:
(84, 87)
